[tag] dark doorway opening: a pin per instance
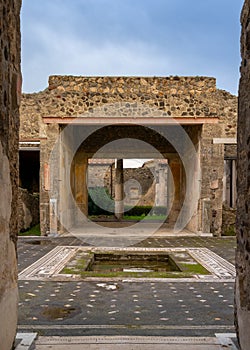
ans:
(29, 168)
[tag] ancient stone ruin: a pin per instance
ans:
(242, 296)
(208, 116)
(10, 93)
(186, 120)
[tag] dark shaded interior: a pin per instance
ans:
(29, 168)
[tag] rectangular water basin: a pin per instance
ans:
(132, 263)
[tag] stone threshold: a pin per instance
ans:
(25, 341)
(219, 342)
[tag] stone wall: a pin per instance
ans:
(243, 187)
(69, 96)
(10, 86)
(28, 210)
(102, 173)
(228, 220)
(138, 182)
(212, 170)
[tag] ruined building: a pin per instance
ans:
(117, 105)
(242, 296)
(10, 94)
(145, 185)
(186, 120)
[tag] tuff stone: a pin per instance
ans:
(132, 97)
(169, 93)
(242, 297)
(10, 86)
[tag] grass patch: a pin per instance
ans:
(79, 266)
(229, 231)
(129, 217)
(196, 269)
(173, 274)
(142, 217)
(33, 231)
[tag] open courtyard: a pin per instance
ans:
(53, 303)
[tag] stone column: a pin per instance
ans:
(80, 185)
(242, 296)
(119, 190)
(174, 189)
(49, 175)
(66, 205)
(161, 186)
(212, 170)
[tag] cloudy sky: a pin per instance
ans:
(130, 37)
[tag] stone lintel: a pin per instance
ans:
(29, 140)
(225, 140)
(130, 120)
(29, 145)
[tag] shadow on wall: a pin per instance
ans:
(28, 210)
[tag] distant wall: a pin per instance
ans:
(10, 93)
(242, 296)
(138, 181)
(28, 210)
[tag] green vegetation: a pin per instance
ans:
(148, 218)
(33, 231)
(76, 268)
(70, 271)
(79, 266)
(197, 269)
(229, 231)
(100, 195)
(141, 211)
(138, 210)
(174, 274)
(107, 209)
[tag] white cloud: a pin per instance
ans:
(70, 55)
(79, 39)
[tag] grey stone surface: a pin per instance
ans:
(10, 93)
(77, 308)
(25, 341)
(137, 343)
(243, 186)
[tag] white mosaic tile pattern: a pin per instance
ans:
(50, 265)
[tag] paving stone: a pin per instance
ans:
(171, 308)
(137, 343)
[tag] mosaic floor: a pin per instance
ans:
(51, 264)
(200, 306)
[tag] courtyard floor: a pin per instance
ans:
(153, 311)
